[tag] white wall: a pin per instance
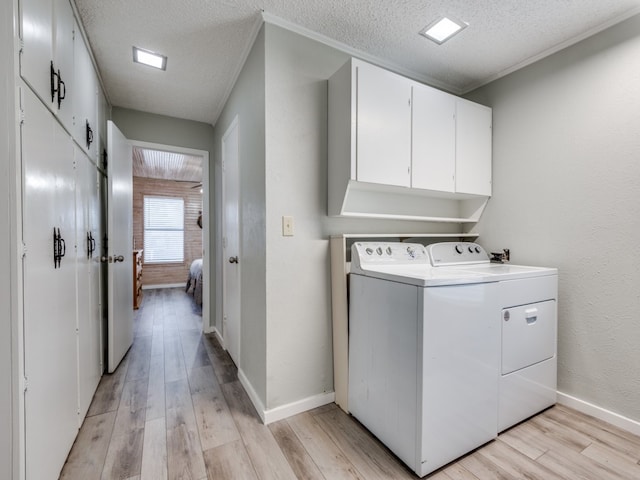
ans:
(247, 102)
(8, 277)
(281, 102)
(566, 193)
(299, 343)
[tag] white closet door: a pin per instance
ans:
(50, 361)
(85, 99)
(88, 254)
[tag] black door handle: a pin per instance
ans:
(89, 135)
(62, 92)
(53, 75)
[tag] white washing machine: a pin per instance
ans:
(528, 317)
(425, 348)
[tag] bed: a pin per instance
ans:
(194, 280)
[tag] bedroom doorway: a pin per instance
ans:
(165, 175)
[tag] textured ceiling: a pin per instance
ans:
(206, 41)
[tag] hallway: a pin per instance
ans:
(175, 409)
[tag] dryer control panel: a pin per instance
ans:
(365, 254)
(456, 253)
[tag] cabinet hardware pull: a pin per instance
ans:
(53, 76)
(89, 135)
(55, 248)
(118, 258)
(62, 93)
(59, 248)
(233, 259)
(91, 245)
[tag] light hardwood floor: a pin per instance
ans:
(175, 409)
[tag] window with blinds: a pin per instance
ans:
(163, 229)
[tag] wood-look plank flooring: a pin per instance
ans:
(174, 409)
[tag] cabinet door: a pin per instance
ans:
(50, 343)
(36, 28)
(85, 99)
(63, 31)
(383, 126)
(433, 156)
(47, 54)
(473, 148)
(87, 262)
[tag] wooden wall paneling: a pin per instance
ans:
(169, 273)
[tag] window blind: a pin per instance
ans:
(163, 229)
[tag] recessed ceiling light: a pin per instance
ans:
(149, 58)
(442, 30)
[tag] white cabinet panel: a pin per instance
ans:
(85, 115)
(50, 362)
(383, 126)
(473, 148)
(63, 30)
(46, 62)
(88, 268)
(37, 52)
(433, 157)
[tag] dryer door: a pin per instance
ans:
(528, 335)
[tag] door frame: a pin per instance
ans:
(223, 230)
(208, 256)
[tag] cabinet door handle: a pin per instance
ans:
(89, 135)
(62, 92)
(53, 75)
(59, 247)
(55, 248)
(233, 259)
(118, 258)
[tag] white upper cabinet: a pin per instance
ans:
(433, 139)
(36, 60)
(473, 148)
(85, 107)
(46, 62)
(383, 126)
(400, 149)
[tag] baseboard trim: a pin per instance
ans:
(285, 411)
(253, 396)
(600, 413)
(164, 285)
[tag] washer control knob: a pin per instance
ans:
(369, 250)
(411, 252)
(477, 249)
(379, 250)
(459, 249)
(389, 251)
(470, 249)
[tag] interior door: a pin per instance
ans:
(231, 243)
(119, 247)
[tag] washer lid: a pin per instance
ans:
(423, 275)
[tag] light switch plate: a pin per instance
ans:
(287, 226)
